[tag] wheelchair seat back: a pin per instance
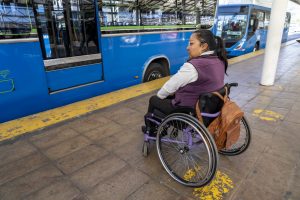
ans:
(211, 104)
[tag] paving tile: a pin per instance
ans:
(260, 140)
(151, 165)
(271, 172)
(270, 93)
(250, 107)
(289, 129)
(104, 131)
(98, 117)
(15, 151)
(153, 190)
(115, 141)
(241, 164)
(260, 99)
(153, 168)
(292, 191)
(60, 190)
(140, 104)
(262, 125)
(119, 186)
(32, 182)
(131, 152)
(282, 103)
(250, 190)
(125, 116)
(293, 116)
(80, 158)
(84, 124)
(96, 172)
(62, 149)
(20, 167)
(53, 136)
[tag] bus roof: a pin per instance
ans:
(250, 5)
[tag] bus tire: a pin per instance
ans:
(256, 47)
(154, 71)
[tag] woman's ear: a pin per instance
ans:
(205, 46)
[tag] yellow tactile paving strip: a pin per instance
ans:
(34, 122)
(14, 128)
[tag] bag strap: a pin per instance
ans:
(220, 96)
(198, 112)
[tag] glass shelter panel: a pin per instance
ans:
(150, 15)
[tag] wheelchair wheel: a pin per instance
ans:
(243, 142)
(186, 150)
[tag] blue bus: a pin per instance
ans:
(55, 52)
(244, 27)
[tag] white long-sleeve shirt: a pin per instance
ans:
(186, 74)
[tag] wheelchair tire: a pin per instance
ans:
(243, 142)
(186, 150)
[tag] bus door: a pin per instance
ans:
(256, 28)
(68, 33)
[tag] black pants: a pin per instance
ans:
(162, 105)
(161, 108)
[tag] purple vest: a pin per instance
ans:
(211, 72)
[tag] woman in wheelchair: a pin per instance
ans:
(202, 73)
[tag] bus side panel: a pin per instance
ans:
(75, 76)
(22, 65)
(124, 57)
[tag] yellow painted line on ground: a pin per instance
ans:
(245, 57)
(17, 127)
(267, 115)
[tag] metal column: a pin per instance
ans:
(273, 41)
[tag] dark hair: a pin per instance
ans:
(214, 43)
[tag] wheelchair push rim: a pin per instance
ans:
(186, 150)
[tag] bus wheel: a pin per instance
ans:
(154, 71)
(256, 47)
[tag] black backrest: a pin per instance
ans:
(211, 103)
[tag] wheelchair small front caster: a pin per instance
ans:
(145, 149)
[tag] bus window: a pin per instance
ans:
(66, 28)
(267, 20)
(287, 20)
(16, 20)
(231, 27)
(260, 18)
(253, 23)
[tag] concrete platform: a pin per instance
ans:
(98, 156)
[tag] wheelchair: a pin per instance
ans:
(185, 147)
